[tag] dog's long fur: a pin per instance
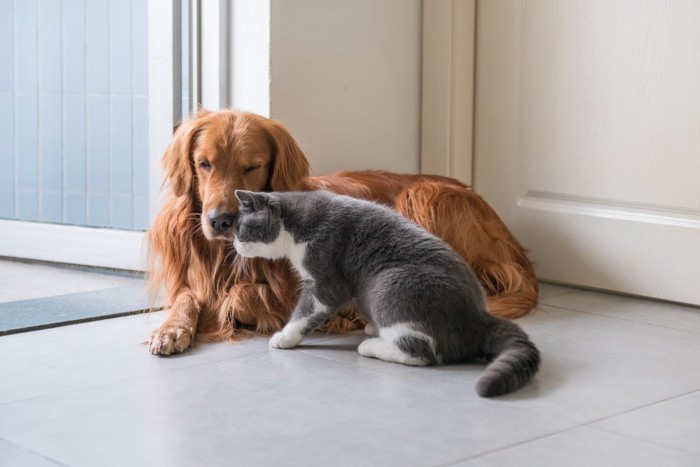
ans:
(217, 295)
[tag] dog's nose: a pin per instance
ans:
(220, 222)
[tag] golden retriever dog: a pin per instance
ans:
(216, 295)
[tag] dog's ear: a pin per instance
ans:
(290, 168)
(177, 159)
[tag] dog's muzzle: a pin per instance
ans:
(220, 223)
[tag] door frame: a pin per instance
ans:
(447, 110)
(69, 244)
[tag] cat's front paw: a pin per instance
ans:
(284, 340)
(371, 330)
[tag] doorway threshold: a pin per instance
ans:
(61, 310)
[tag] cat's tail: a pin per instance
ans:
(516, 360)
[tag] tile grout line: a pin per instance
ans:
(588, 424)
(509, 446)
(650, 404)
(130, 378)
(646, 441)
(176, 370)
(33, 452)
(585, 425)
(619, 319)
(557, 294)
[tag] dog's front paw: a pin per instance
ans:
(284, 340)
(169, 339)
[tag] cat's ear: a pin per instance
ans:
(247, 199)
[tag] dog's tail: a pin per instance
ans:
(467, 223)
(516, 360)
(511, 287)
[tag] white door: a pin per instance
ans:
(587, 138)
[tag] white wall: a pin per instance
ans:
(249, 63)
(345, 79)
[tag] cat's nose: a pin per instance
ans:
(220, 222)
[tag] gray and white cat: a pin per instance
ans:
(424, 304)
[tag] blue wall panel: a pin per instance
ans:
(7, 204)
(75, 208)
(139, 34)
(98, 161)
(50, 46)
(97, 50)
(51, 206)
(26, 44)
(50, 111)
(26, 205)
(140, 145)
(120, 161)
(26, 110)
(51, 151)
(26, 146)
(120, 145)
(7, 110)
(7, 155)
(74, 47)
(74, 112)
(7, 46)
(50, 141)
(121, 214)
(120, 47)
(98, 209)
(74, 143)
(141, 166)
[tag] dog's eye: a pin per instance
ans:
(251, 169)
(206, 165)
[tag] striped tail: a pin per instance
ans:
(516, 361)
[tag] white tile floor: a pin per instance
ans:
(47, 281)
(619, 385)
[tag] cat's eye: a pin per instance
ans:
(205, 165)
(250, 169)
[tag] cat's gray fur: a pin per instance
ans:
(418, 294)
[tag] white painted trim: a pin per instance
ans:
(553, 203)
(110, 248)
(447, 112)
(164, 87)
(249, 67)
(195, 55)
(214, 67)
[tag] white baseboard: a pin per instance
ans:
(108, 248)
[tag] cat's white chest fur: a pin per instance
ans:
(283, 246)
(296, 253)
